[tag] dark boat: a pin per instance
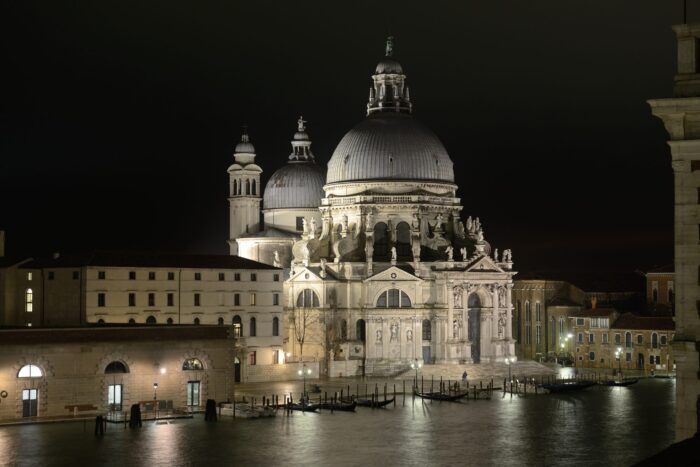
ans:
(439, 396)
(624, 382)
(568, 386)
(341, 406)
(304, 407)
(373, 403)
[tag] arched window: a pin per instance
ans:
(427, 330)
(393, 298)
(247, 186)
(115, 367)
(528, 314)
(381, 242)
(170, 321)
(403, 242)
(192, 364)
(29, 301)
(360, 330)
(196, 321)
(100, 321)
(628, 339)
(253, 327)
(654, 341)
(237, 326)
(151, 320)
(30, 371)
(275, 326)
(307, 298)
(640, 339)
(132, 321)
(254, 186)
(220, 321)
(235, 187)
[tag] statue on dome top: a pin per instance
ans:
(301, 124)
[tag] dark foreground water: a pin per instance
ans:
(599, 426)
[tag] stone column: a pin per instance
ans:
(450, 307)
(494, 314)
(509, 313)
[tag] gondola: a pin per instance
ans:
(373, 403)
(341, 406)
(439, 396)
(624, 382)
(304, 407)
(567, 386)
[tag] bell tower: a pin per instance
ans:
(244, 193)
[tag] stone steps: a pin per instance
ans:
(479, 371)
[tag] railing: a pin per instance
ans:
(346, 200)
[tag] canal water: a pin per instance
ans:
(598, 426)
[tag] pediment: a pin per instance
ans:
(311, 274)
(393, 274)
(484, 263)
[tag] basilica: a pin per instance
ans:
(382, 267)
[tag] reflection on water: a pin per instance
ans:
(599, 426)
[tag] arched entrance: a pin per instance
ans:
(115, 387)
(474, 327)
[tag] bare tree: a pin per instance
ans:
(303, 318)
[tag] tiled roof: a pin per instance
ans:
(592, 281)
(131, 259)
(632, 321)
(665, 269)
(594, 312)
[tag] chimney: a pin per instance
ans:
(594, 302)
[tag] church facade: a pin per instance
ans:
(383, 272)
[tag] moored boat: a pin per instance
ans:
(439, 396)
(624, 382)
(567, 386)
(373, 403)
(341, 406)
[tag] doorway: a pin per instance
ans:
(640, 361)
(30, 401)
(193, 393)
(114, 397)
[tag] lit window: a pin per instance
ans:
(30, 371)
(29, 301)
(192, 364)
(29, 276)
(252, 299)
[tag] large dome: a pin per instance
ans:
(392, 146)
(296, 185)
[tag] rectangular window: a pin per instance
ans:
(695, 165)
(29, 301)
(132, 299)
(538, 312)
(196, 299)
(528, 336)
(579, 321)
(114, 397)
(151, 276)
(29, 276)
(562, 322)
(605, 338)
(132, 275)
(193, 393)
(198, 276)
(51, 275)
(252, 299)
(628, 357)
(252, 357)
(76, 275)
(151, 299)
(658, 359)
(171, 299)
(538, 334)
(171, 276)
(237, 276)
(101, 275)
(276, 277)
(618, 339)
(580, 338)
(222, 276)
(101, 299)
(591, 356)
(276, 357)
(237, 299)
(300, 224)
(253, 277)
(275, 299)
(591, 338)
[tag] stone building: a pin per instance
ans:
(383, 269)
(681, 117)
(62, 372)
(605, 339)
(661, 295)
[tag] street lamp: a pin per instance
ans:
(155, 400)
(509, 362)
(303, 372)
(416, 365)
(618, 356)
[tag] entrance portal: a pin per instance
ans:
(474, 326)
(193, 393)
(30, 400)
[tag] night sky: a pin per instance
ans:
(119, 119)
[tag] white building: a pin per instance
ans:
(383, 270)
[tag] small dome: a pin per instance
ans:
(388, 66)
(390, 146)
(244, 147)
(296, 185)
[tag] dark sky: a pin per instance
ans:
(119, 119)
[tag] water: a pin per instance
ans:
(599, 426)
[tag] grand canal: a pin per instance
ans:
(598, 426)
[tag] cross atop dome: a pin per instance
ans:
(389, 50)
(301, 124)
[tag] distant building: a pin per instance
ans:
(661, 295)
(602, 336)
(681, 117)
